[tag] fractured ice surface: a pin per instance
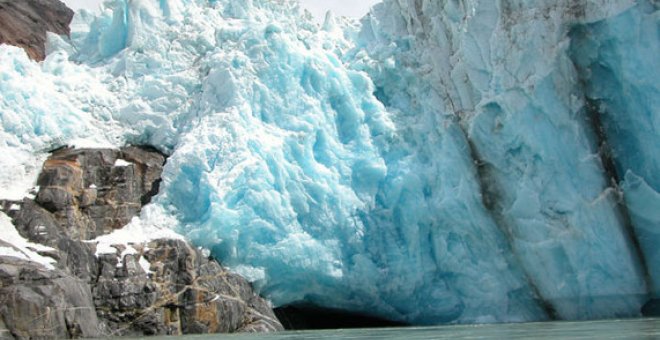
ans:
(502, 71)
(437, 162)
(618, 60)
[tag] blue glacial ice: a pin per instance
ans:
(618, 61)
(436, 162)
(511, 86)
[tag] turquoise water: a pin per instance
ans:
(611, 329)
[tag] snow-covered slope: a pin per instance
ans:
(435, 163)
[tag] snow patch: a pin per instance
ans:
(22, 248)
(153, 224)
(20, 171)
(146, 266)
(122, 163)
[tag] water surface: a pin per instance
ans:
(610, 329)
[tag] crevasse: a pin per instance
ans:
(440, 161)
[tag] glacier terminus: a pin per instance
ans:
(437, 161)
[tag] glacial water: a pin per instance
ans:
(609, 329)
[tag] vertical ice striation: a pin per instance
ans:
(439, 162)
(502, 72)
(618, 62)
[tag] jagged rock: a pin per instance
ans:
(60, 182)
(165, 287)
(36, 223)
(25, 23)
(149, 166)
(4, 331)
(183, 293)
(40, 303)
(78, 258)
(94, 191)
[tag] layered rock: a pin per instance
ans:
(92, 192)
(181, 293)
(161, 286)
(25, 24)
(39, 303)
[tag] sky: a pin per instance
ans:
(351, 8)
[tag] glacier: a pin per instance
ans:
(435, 162)
(618, 66)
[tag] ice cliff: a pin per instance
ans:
(503, 74)
(439, 161)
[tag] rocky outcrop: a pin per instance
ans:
(40, 303)
(158, 287)
(91, 192)
(25, 24)
(181, 293)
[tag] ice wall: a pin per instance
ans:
(501, 72)
(618, 63)
(442, 161)
(300, 179)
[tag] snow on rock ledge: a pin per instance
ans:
(142, 279)
(12, 244)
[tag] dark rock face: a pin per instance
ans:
(163, 287)
(36, 223)
(24, 24)
(40, 303)
(91, 192)
(183, 293)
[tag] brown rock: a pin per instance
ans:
(24, 24)
(90, 194)
(83, 194)
(183, 293)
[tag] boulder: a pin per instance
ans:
(92, 192)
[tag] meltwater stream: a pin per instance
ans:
(608, 329)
